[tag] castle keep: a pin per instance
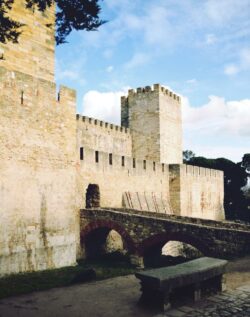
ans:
(52, 160)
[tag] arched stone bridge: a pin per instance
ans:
(144, 231)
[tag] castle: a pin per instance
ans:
(54, 162)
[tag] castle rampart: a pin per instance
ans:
(197, 192)
(124, 174)
(103, 136)
(49, 156)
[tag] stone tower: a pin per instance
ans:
(38, 224)
(154, 117)
(34, 54)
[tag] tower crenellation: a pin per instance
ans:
(152, 89)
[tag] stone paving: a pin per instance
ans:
(234, 303)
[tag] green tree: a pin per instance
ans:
(187, 155)
(70, 15)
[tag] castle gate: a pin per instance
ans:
(93, 196)
(142, 231)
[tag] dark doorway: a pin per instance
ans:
(93, 196)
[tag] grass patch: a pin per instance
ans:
(106, 267)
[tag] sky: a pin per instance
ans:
(200, 49)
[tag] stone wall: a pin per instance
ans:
(34, 54)
(144, 231)
(136, 177)
(154, 117)
(197, 192)
(103, 136)
(37, 175)
(170, 127)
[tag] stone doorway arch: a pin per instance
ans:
(93, 196)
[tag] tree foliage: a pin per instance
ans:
(9, 29)
(188, 155)
(70, 15)
(246, 161)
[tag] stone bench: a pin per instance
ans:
(195, 277)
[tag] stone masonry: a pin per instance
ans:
(146, 232)
(50, 157)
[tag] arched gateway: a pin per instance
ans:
(93, 196)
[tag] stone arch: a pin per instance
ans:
(159, 240)
(93, 196)
(99, 229)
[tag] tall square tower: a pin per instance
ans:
(154, 117)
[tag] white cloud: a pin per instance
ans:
(245, 59)
(72, 72)
(138, 59)
(103, 105)
(192, 81)
(231, 69)
(223, 11)
(109, 69)
(228, 118)
(210, 39)
(243, 63)
(217, 129)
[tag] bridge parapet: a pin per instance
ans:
(144, 230)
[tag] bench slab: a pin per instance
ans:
(162, 281)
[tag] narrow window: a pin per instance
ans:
(22, 97)
(134, 163)
(162, 166)
(96, 156)
(110, 159)
(153, 166)
(81, 153)
(123, 161)
(144, 164)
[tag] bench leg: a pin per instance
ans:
(223, 283)
(197, 292)
(155, 298)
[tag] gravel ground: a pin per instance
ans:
(119, 297)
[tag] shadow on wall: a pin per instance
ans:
(93, 196)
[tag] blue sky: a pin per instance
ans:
(198, 48)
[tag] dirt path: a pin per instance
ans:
(114, 297)
(238, 273)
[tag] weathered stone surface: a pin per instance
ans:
(34, 54)
(38, 214)
(44, 180)
(144, 231)
(191, 272)
(193, 278)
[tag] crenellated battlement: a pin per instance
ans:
(196, 171)
(153, 89)
(27, 91)
(201, 171)
(105, 125)
(132, 166)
